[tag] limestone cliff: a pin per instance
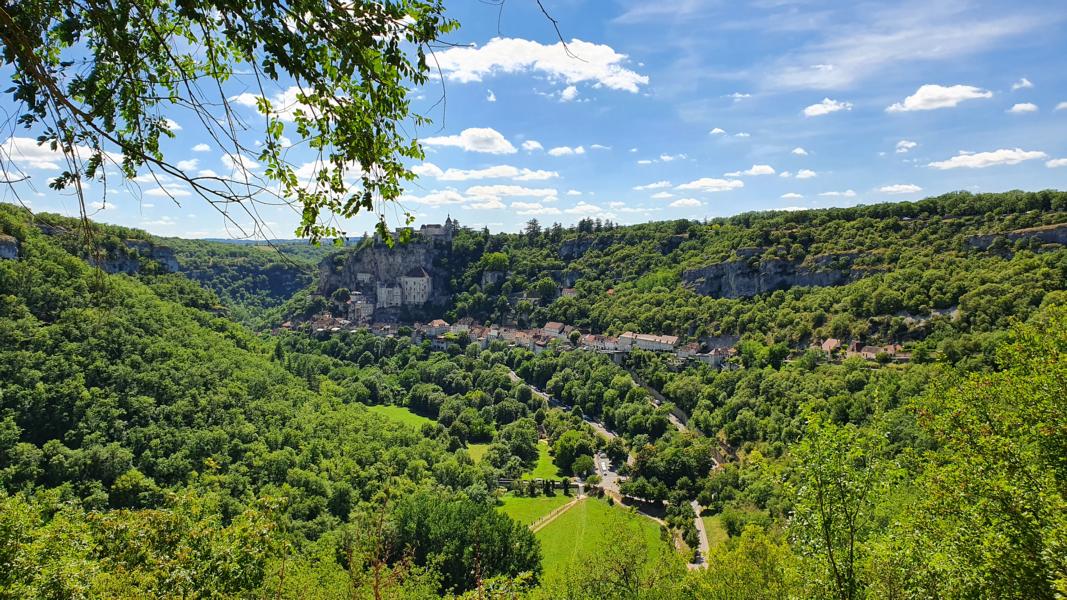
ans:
(744, 277)
(367, 267)
(1048, 234)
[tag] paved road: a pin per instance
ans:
(701, 559)
(676, 416)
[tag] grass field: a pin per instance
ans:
(527, 510)
(544, 469)
(716, 532)
(477, 451)
(586, 527)
(399, 413)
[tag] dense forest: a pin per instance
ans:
(151, 445)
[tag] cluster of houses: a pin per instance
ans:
(441, 334)
(832, 348)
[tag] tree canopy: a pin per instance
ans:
(97, 81)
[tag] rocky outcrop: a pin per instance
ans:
(742, 278)
(1047, 234)
(365, 268)
(161, 254)
(9, 247)
(576, 248)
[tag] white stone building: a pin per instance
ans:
(416, 286)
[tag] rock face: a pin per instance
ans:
(1048, 234)
(378, 266)
(9, 247)
(572, 249)
(134, 255)
(741, 278)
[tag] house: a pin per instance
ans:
(870, 352)
(656, 343)
(553, 329)
(389, 296)
(830, 346)
(626, 340)
(360, 308)
(437, 327)
(416, 286)
(568, 293)
(689, 350)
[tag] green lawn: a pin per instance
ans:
(477, 451)
(527, 510)
(716, 532)
(544, 469)
(585, 528)
(399, 413)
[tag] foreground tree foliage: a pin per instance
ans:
(95, 80)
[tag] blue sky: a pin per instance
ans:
(688, 108)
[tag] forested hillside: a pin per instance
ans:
(152, 446)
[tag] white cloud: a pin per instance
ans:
(103, 205)
(754, 170)
(1061, 106)
(982, 160)
(239, 164)
(596, 64)
(475, 139)
(1023, 107)
(26, 153)
(686, 203)
(826, 107)
(872, 39)
(533, 208)
(573, 193)
(738, 96)
(717, 131)
(495, 172)
(511, 190)
(435, 198)
(656, 185)
(490, 96)
(708, 184)
(168, 191)
(206, 173)
(1056, 163)
(799, 151)
(487, 204)
(616, 204)
(806, 174)
(201, 148)
(569, 93)
(742, 134)
(903, 146)
(844, 194)
(188, 165)
(566, 151)
(670, 157)
(171, 125)
(662, 195)
(1022, 84)
(644, 161)
(600, 147)
(583, 208)
(531, 145)
(791, 196)
(932, 96)
(283, 104)
(900, 188)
